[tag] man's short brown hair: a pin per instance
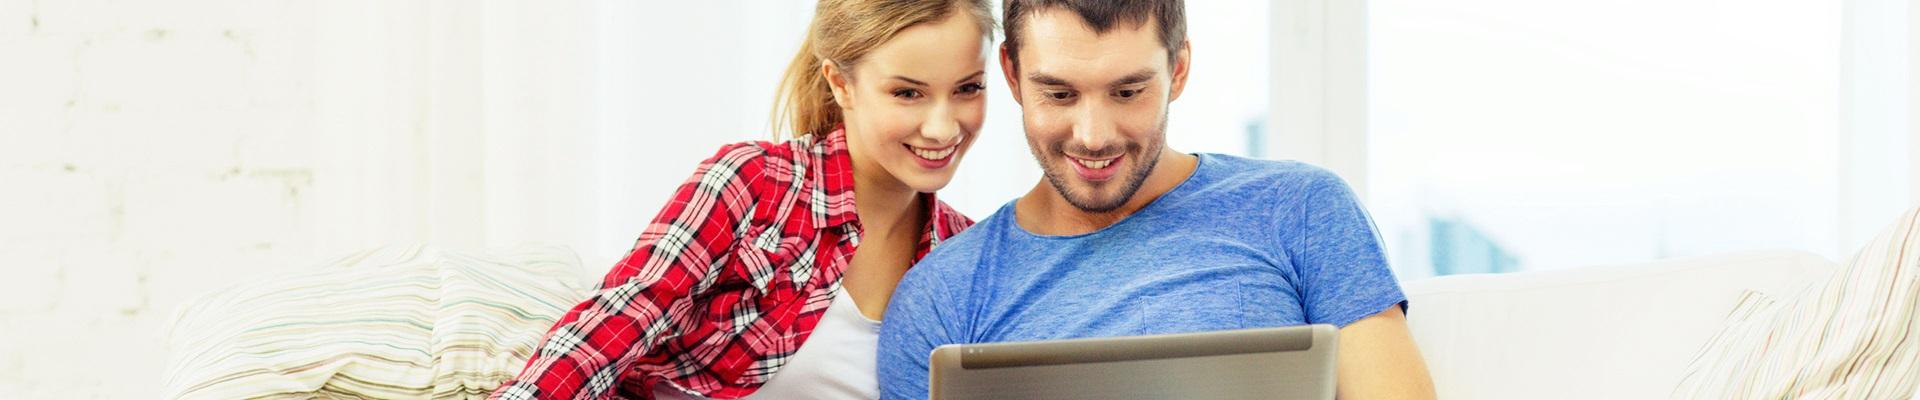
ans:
(1102, 15)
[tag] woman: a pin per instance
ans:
(766, 274)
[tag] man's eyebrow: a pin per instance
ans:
(1136, 77)
(1142, 75)
(1045, 79)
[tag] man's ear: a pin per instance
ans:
(838, 82)
(1012, 72)
(1182, 64)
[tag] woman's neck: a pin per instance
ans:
(886, 206)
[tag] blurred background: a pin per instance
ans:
(157, 150)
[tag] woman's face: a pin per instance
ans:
(914, 104)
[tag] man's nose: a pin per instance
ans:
(1093, 129)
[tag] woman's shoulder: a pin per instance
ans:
(747, 152)
(805, 149)
(948, 219)
(763, 157)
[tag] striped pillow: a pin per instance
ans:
(1855, 336)
(400, 322)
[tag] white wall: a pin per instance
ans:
(1318, 86)
(1913, 99)
(1875, 131)
(673, 87)
(163, 150)
(150, 150)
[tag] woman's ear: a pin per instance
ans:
(837, 80)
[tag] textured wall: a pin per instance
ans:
(150, 151)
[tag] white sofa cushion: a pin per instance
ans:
(399, 322)
(1604, 332)
(1856, 336)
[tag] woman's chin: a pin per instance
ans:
(928, 188)
(923, 178)
(928, 181)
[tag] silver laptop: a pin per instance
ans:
(1267, 363)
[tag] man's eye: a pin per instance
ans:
(1060, 95)
(907, 94)
(1126, 93)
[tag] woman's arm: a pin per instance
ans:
(1378, 360)
(599, 340)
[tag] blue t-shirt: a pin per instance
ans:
(1242, 243)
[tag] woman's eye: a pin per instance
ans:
(907, 94)
(971, 88)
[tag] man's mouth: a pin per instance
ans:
(1095, 169)
(1093, 164)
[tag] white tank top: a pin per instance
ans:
(836, 361)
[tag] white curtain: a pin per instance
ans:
(459, 123)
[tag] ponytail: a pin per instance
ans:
(803, 105)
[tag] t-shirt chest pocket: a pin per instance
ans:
(1241, 301)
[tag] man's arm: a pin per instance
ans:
(1378, 360)
(1342, 264)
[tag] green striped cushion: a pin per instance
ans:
(400, 322)
(1855, 336)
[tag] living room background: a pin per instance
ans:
(161, 150)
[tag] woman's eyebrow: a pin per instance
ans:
(910, 80)
(917, 82)
(969, 77)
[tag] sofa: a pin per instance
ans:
(1603, 332)
(1597, 332)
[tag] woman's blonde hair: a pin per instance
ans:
(842, 32)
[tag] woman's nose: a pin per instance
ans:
(941, 126)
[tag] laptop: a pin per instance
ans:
(1266, 363)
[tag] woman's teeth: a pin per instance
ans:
(934, 155)
(1091, 164)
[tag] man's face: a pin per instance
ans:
(1094, 105)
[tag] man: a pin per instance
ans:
(1125, 236)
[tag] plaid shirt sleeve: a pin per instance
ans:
(677, 257)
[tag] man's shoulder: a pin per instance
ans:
(1239, 169)
(966, 246)
(957, 257)
(1283, 181)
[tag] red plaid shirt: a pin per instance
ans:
(724, 285)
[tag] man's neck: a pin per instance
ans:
(1044, 211)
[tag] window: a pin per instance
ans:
(1508, 135)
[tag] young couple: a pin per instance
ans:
(770, 271)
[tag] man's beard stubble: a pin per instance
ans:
(1144, 163)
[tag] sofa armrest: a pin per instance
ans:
(1592, 332)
